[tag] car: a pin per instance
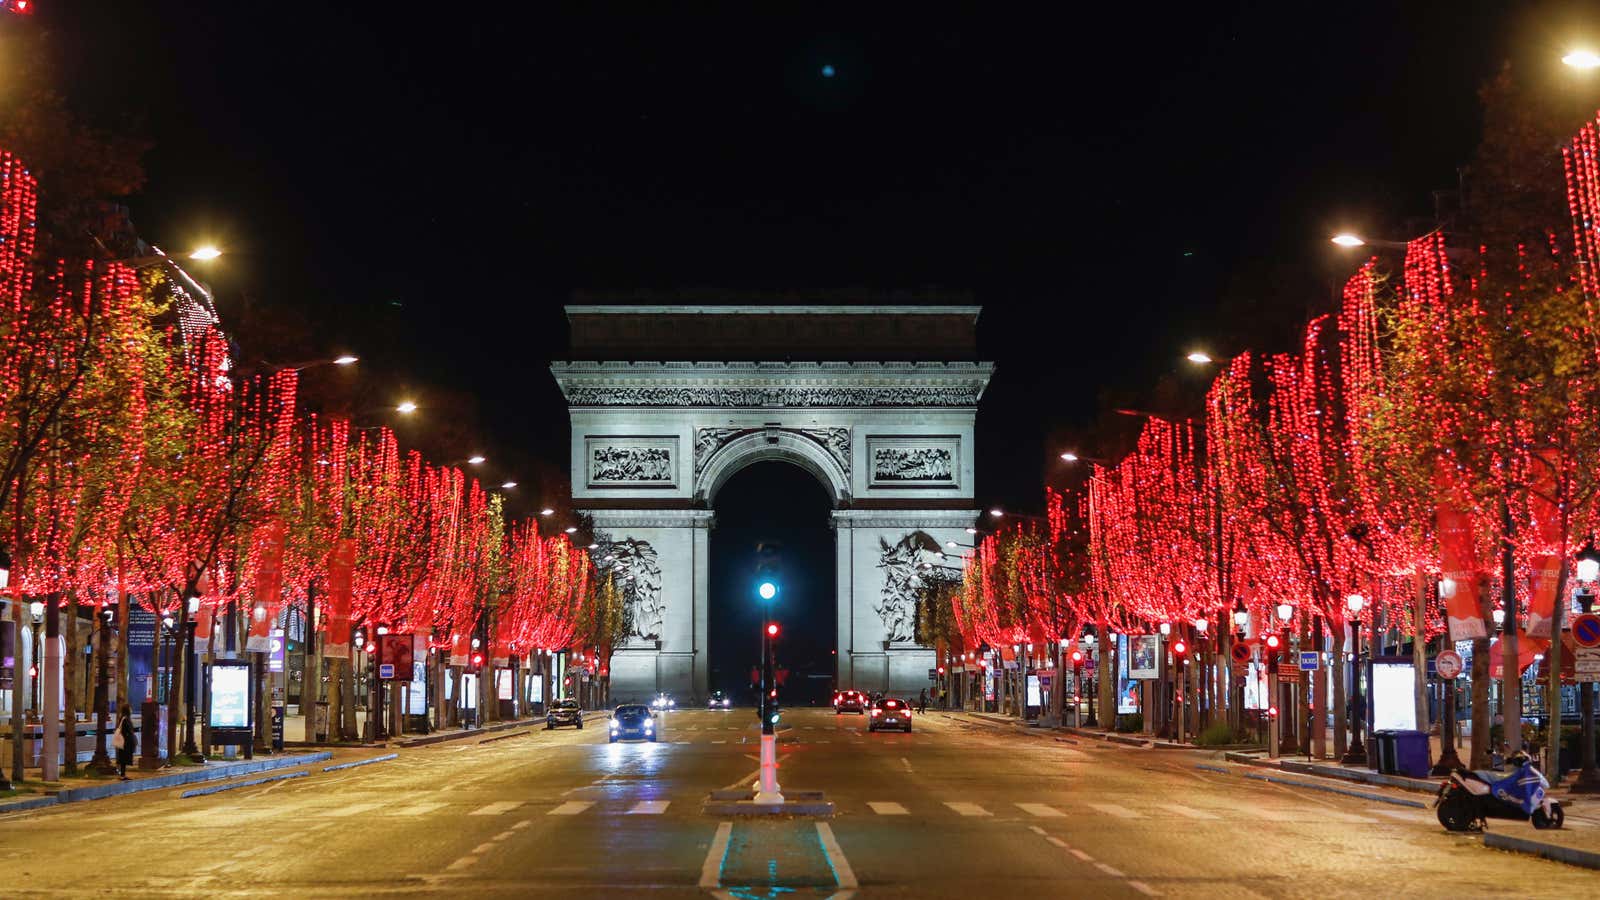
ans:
(850, 701)
(663, 701)
(633, 721)
(564, 712)
(890, 712)
(719, 700)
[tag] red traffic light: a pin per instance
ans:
(1179, 648)
(477, 659)
(941, 670)
(772, 629)
(773, 693)
(1077, 657)
(1272, 712)
(1273, 642)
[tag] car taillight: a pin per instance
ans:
(877, 712)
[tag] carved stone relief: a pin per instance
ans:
(912, 464)
(636, 568)
(707, 441)
(905, 582)
(743, 398)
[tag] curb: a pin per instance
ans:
(217, 789)
(193, 776)
(1572, 856)
(361, 762)
(463, 735)
(33, 803)
(506, 737)
(1395, 781)
(1273, 779)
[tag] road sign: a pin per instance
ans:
(385, 671)
(933, 674)
(1288, 670)
(1310, 660)
(1447, 664)
(1586, 630)
(1240, 652)
(1586, 664)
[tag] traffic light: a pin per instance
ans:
(1272, 646)
(477, 661)
(1179, 648)
(1077, 659)
(772, 629)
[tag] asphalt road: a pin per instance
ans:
(956, 809)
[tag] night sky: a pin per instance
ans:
(430, 183)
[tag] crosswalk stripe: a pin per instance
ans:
(1112, 809)
(420, 809)
(884, 808)
(649, 808)
(496, 808)
(354, 809)
(571, 808)
(968, 809)
(1040, 810)
(719, 742)
(1187, 812)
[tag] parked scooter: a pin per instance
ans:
(1467, 798)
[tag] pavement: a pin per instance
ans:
(959, 808)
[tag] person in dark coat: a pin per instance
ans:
(126, 741)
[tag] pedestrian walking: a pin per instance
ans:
(125, 741)
(922, 702)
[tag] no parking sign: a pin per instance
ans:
(1586, 630)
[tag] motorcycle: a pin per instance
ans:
(1467, 798)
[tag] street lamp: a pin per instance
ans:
(1285, 612)
(1582, 59)
(1357, 754)
(1345, 239)
(476, 460)
(572, 529)
(507, 485)
(205, 252)
(1588, 780)
(1241, 616)
(547, 511)
(1166, 628)
(1588, 568)
(5, 569)
(406, 407)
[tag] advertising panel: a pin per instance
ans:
(230, 696)
(1393, 693)
(1144, 655)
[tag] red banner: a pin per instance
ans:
(204, 621)
(269, 585)
(1544, 566)
(336, 612)
(1458, 559)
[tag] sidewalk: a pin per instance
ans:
(34, 794)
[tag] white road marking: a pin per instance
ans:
(885, 808)
(1109, 870)
(905, 762)
(1144, 889)
(711, 869)
(649, 808)
(1080, 854)
(462, 863)
(484, 847)
(1036, 830)
(842, 873)
(719, 742)
(521, 825)
(353, 809)
(499, 807)
(419, 809)
(570, 808)
(1112, 809)
(968, 809)
(1041, 810)
(1055, 840)
(1187, 812)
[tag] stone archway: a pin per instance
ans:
(654, 442)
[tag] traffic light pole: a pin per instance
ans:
(767, 791)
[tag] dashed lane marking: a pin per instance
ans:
(1144, 889)
(1112, 809)
(1109, 870)
(419, 809)
(968, 809)
(1187, 812)
(884, 808)
(1082, 856)
(649, 808)
(499, 807)
(1055, 840)
(354, 809)
(571, 808)
(1041, 810)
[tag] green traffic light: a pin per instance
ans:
(767, 590)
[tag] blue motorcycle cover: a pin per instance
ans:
(1523, 787)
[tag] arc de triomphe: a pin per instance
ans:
(878, 403)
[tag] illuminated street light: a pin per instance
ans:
(346, 360)
(406, 407)
(1199, 359)
(508, 485)
(1588, 563)
(547, 511)
(572, 529)
(205, 252)
(997, 512)
(1285, 612)
(1355, 602)
(1582, 59)
(475, 460)
(1346, 239)
(1069, 456)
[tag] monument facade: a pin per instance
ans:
(877, 402)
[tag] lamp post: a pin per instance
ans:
(1287, 723)
(1241, 622)
(1449, 760)
(191, 672)
(36, 611)
(1588, 780)
(1357, 754)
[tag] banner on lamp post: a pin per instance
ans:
(1544, 569)
(269, 586)
(336, 614)
(1457, 560)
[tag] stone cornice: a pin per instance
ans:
(649, 518)
(911, 518)
(746, 385)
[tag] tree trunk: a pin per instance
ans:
(1319, 697)
(1480, 704)
(1419, 651)
(347, 700)
(69, 669)
(180, 674)
(1105, 666)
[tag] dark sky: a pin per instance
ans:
(429, 183)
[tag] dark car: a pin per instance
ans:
(850, 701)
(564, 712)
(632, 722)
(890, 712)
(719, 700)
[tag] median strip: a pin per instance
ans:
(361, 762)
(1572, 856)
(217, 789)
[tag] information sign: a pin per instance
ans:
(1310, 660)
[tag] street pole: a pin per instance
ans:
(101, 764)
(768, 791)
(1357, 754)
(1588, 780)
(50, 709)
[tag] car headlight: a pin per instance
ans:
(727, 703)
(649, 725)
(613, 723)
